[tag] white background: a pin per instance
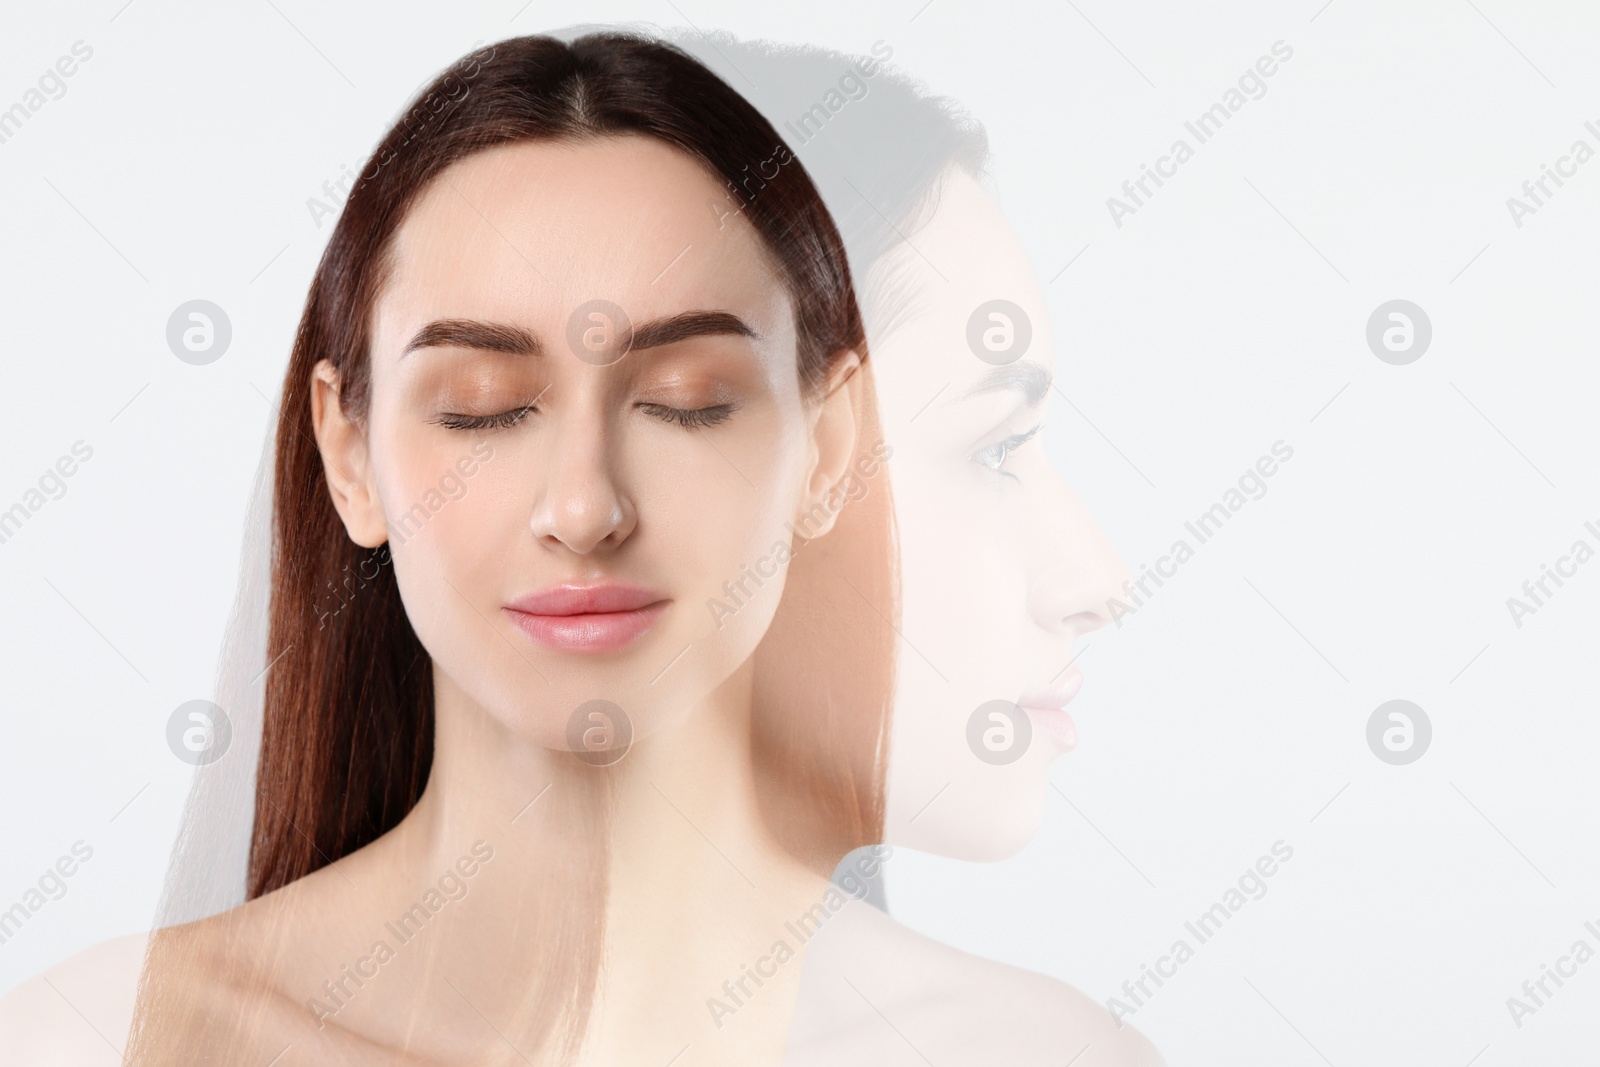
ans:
(1227, 314)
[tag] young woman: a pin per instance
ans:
(576, 395)
(582, 620)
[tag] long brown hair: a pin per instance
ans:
(349, 714)
(348, 721)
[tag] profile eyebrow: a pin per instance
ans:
(466, 333)
(1029, 379)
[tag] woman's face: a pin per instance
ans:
(1003, 569)
(564, 518)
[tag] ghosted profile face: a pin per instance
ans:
(585, 424)
(1003, 569)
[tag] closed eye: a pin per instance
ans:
(690, 418)
(451, 420)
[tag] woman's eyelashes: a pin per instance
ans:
(993, 457)
(692, 418)
(451, 420)
(689, 418)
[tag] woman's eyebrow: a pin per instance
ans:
(686, 324)
(1029, 379)
(501, 337)
(466, 333)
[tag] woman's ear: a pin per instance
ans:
(833, 445)
(345, 461)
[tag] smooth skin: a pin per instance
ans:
(597, 480)
(589, 484)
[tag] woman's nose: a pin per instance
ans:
(580, 504)
(1076, 573)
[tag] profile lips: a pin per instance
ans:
(1049, 707)
(1055, 696)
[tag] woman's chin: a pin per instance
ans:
(985, 828)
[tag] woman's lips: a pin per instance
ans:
(1047, 708)
(587, 618)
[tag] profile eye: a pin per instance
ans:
(993, 457)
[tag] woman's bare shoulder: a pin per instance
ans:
(234, 982)
(77, 1013)
(886, 987)
(80, 1010)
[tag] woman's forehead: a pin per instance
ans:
(530, 231)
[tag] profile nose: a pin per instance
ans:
(581, 506)
(1077, 574)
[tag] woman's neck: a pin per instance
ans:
(665, 851)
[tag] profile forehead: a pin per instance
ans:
(969, 241)
(964, 255)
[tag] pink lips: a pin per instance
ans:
(1047, 707)
(600, 617)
